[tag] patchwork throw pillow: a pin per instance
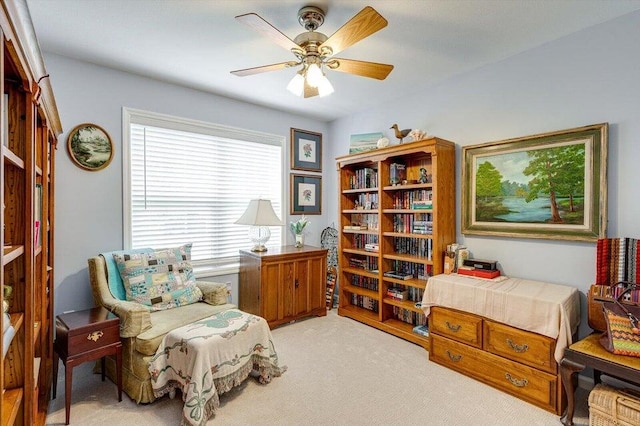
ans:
(161, 279)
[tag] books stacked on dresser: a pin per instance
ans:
(479, 268)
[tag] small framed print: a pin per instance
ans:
(306, 150)
(90, 147)
(306, 194)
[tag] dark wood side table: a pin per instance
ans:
(589, 353)
(84, 336)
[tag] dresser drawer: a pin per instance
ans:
(522, 346)
(460, 326)
(527, 383)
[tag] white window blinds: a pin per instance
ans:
(190, 181)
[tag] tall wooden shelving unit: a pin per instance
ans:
(409, 224)
(29, 126)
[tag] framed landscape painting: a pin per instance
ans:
(306, 194)
(306, 150)
(90, 147)
(551, 185)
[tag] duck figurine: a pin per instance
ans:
(400, 134)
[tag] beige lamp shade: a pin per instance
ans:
(260, 216)
(259, 213)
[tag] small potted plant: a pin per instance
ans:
(297, 228)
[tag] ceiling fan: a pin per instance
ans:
(314, 51)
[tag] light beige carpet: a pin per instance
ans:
(340, 372)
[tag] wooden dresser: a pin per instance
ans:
(518, 362)
(486, 333)
(283, 284)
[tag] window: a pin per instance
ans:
(189, 181)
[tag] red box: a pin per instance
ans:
(480, 273)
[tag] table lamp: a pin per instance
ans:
(260, 216)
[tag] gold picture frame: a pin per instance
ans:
(90, 147)
(550, 185)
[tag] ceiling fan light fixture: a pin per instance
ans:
(296, 85)
(325, 87)
(314, 75)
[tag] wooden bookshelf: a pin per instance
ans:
(408, 235)
(30, 127)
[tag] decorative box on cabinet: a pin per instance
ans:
(392, 222)
(284, 283)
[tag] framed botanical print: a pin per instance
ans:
(306, 194)
(306, 150)
(90, 147)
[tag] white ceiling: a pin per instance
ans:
(196, 43)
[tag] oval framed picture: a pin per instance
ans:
(90, 147)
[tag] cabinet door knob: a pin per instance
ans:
(297, 283)
(95, 335)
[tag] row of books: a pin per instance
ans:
(359, 241)
(364, 178)
(364, 262)
(363, 221)
(418, 270)
(410, 317)
(364, 282)
(368, 201)
(424, 227)
(413, 246)
(417, 199)
(398, 275)
(364, 302)
(405, 222)
(373, 247)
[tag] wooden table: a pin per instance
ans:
(589, 353)
(84, 336)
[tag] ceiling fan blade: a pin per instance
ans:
(309, 91)
(266, 29)
(362, 25)
(264, 68)
(361, 68)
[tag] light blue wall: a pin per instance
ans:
(89, 204)
(586, 78)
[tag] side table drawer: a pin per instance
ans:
(460, 326)
(93, 339)
(522, 346)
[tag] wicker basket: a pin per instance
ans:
(613, 407)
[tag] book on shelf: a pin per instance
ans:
(480, 273)
(422, 205)
(371, 247)
(398, 275)
(422, 330)
(355, 227)
(397, 293)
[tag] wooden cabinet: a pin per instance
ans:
(397, 213)
(516, 361)
(283, 284)
(29, 126)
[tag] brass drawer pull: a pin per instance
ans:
(518, 348)
(515, 382)
(95, 336)
(454, 328)
(454, 358)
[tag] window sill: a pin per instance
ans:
(206, 271)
